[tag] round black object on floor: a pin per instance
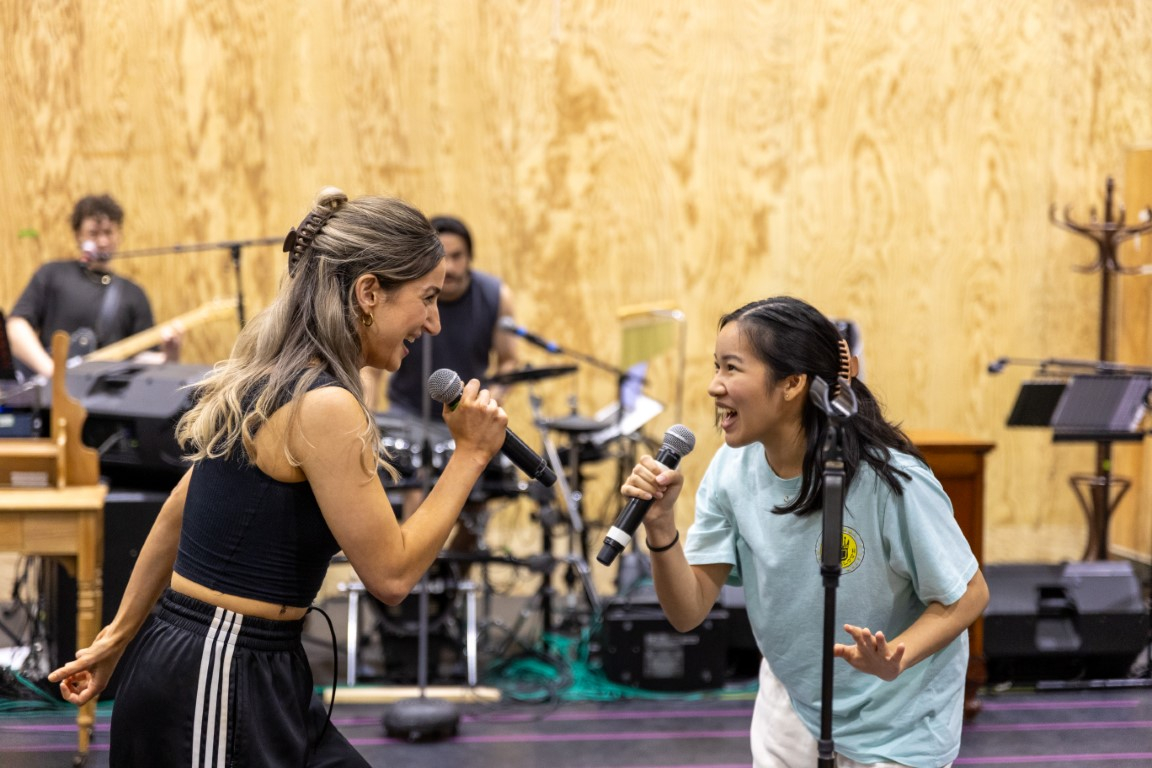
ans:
(421, 719)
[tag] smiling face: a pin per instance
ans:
(399, 316)
(752, 406)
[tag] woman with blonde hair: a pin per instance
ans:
(284, 456)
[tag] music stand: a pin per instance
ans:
(1102, 409)
(1036, 402)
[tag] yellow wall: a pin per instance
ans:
(891, 162)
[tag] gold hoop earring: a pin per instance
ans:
(367, 320)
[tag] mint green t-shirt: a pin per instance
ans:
(899, 553)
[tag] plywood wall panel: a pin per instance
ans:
(892, 163)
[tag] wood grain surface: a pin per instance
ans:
(893, 163)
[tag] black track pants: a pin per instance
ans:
(210, 688)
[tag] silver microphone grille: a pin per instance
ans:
(444, 386)
(680, 439)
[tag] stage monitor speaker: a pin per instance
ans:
(132, 413)
(128, 517)
(1083, 620)
(742, 654)
(642, 649)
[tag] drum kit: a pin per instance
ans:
(420, 452)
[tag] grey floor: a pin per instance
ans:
(1110, 728)
(559, 710)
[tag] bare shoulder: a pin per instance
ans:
(331, 409)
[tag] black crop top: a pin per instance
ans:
(250, 535)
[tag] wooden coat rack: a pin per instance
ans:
(1095, 491)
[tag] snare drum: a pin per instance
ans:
(402, 437)
(500, 477)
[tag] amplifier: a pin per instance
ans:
(21, 412)
(641, 648)
(742, 654)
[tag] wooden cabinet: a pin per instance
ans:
(958, 463)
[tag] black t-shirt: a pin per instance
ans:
(65, 296)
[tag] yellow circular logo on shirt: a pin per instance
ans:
(851, 550)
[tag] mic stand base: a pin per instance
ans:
(422, 719)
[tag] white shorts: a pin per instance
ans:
(780, 739)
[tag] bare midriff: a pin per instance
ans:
(242, 605)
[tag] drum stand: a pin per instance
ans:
(550, 515)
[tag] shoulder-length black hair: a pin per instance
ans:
(792, 337)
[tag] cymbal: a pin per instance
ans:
(530, 373)
(574, 424)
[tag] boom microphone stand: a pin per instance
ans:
(838, 408)
(232, 246)
(624, 378)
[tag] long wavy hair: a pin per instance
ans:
(310, 327)
(791, 336)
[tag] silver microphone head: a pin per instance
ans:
(445, 386)
(508, 323)
(680, 439)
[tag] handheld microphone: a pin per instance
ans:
(445, 386)
(509, 324)
(678, 443)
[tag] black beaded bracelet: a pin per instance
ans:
(664, 548)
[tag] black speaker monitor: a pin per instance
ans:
(132, 413)
(1063, 621)
(642, 649)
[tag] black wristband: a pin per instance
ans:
(666, 547)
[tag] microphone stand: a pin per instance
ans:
(232, 246)
(622, 379)
(837, 409)
(423, 718)
(1057, 366)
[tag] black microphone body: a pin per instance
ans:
(678, 442)
(446, 387)
(527, 460)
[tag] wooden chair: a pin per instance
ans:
(52, 505)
